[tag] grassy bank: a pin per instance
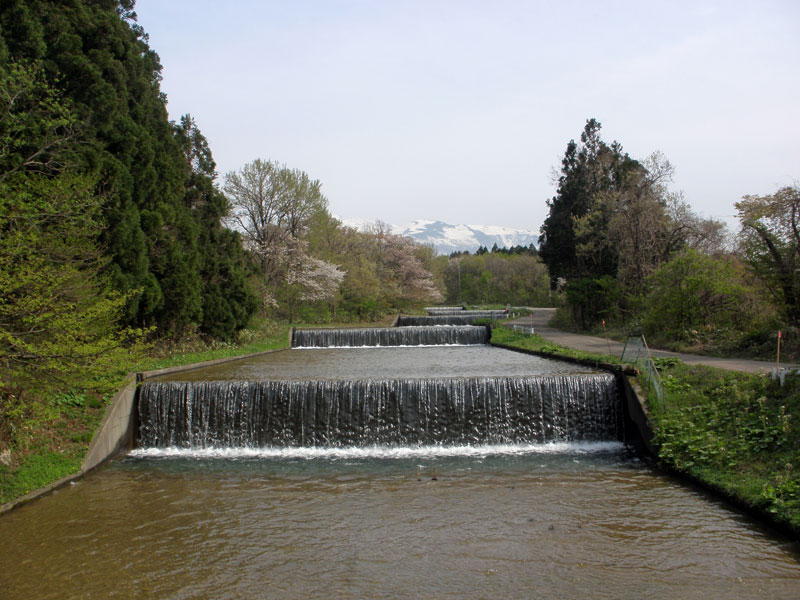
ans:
(49, 439)
(735, 433)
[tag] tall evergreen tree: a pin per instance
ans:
(227, 299)
(96, 54)
(588, 169)
(569, 243)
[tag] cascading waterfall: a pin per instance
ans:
(389, 336)
(367, 412)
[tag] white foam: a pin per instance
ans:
(382, 452)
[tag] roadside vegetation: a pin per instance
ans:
(622, 248)
(735, 433)
(502, 335)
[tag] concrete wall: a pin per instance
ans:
(637, 422)
(115, 433)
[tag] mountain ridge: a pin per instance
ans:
(447, 238)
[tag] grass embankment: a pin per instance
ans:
(505, 335)
(733, 432)
(49, 441)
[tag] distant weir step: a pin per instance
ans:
(462, 318)
(366, 412)
(444, 310)
(390, 336)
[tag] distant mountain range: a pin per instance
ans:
(447, 238)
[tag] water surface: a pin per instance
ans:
(566, 521)
(381, 363)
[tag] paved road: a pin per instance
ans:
(542, 316)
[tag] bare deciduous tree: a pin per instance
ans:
(770, 243)
(271, 205)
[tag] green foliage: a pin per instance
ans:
(227, 299)
(258, 336)
(58, 320)
(73, 398)
(169, 257)
(626, 250)
(588, 171)
(505, 336)
(695, 296)
(111, 78)
(37, 471)
(664, 363)
(497, 277)
(37, 126)
(735, 431)
(591, 299)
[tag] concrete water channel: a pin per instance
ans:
(520, 511)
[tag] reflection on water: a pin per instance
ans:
(525, 521)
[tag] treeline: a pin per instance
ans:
(115, 231)
(496, 277)
(512, 275)
(622, 247)
(518, 249)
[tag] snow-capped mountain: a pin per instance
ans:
(447, 238)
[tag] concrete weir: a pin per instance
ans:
(118, 431)
(637, 427)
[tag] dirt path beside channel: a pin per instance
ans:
(587, 343)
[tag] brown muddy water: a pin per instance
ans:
(555, 521)
(565, 519)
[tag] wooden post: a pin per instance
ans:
(778, 360)
(605, 333)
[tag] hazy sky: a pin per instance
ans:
(460, 110)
